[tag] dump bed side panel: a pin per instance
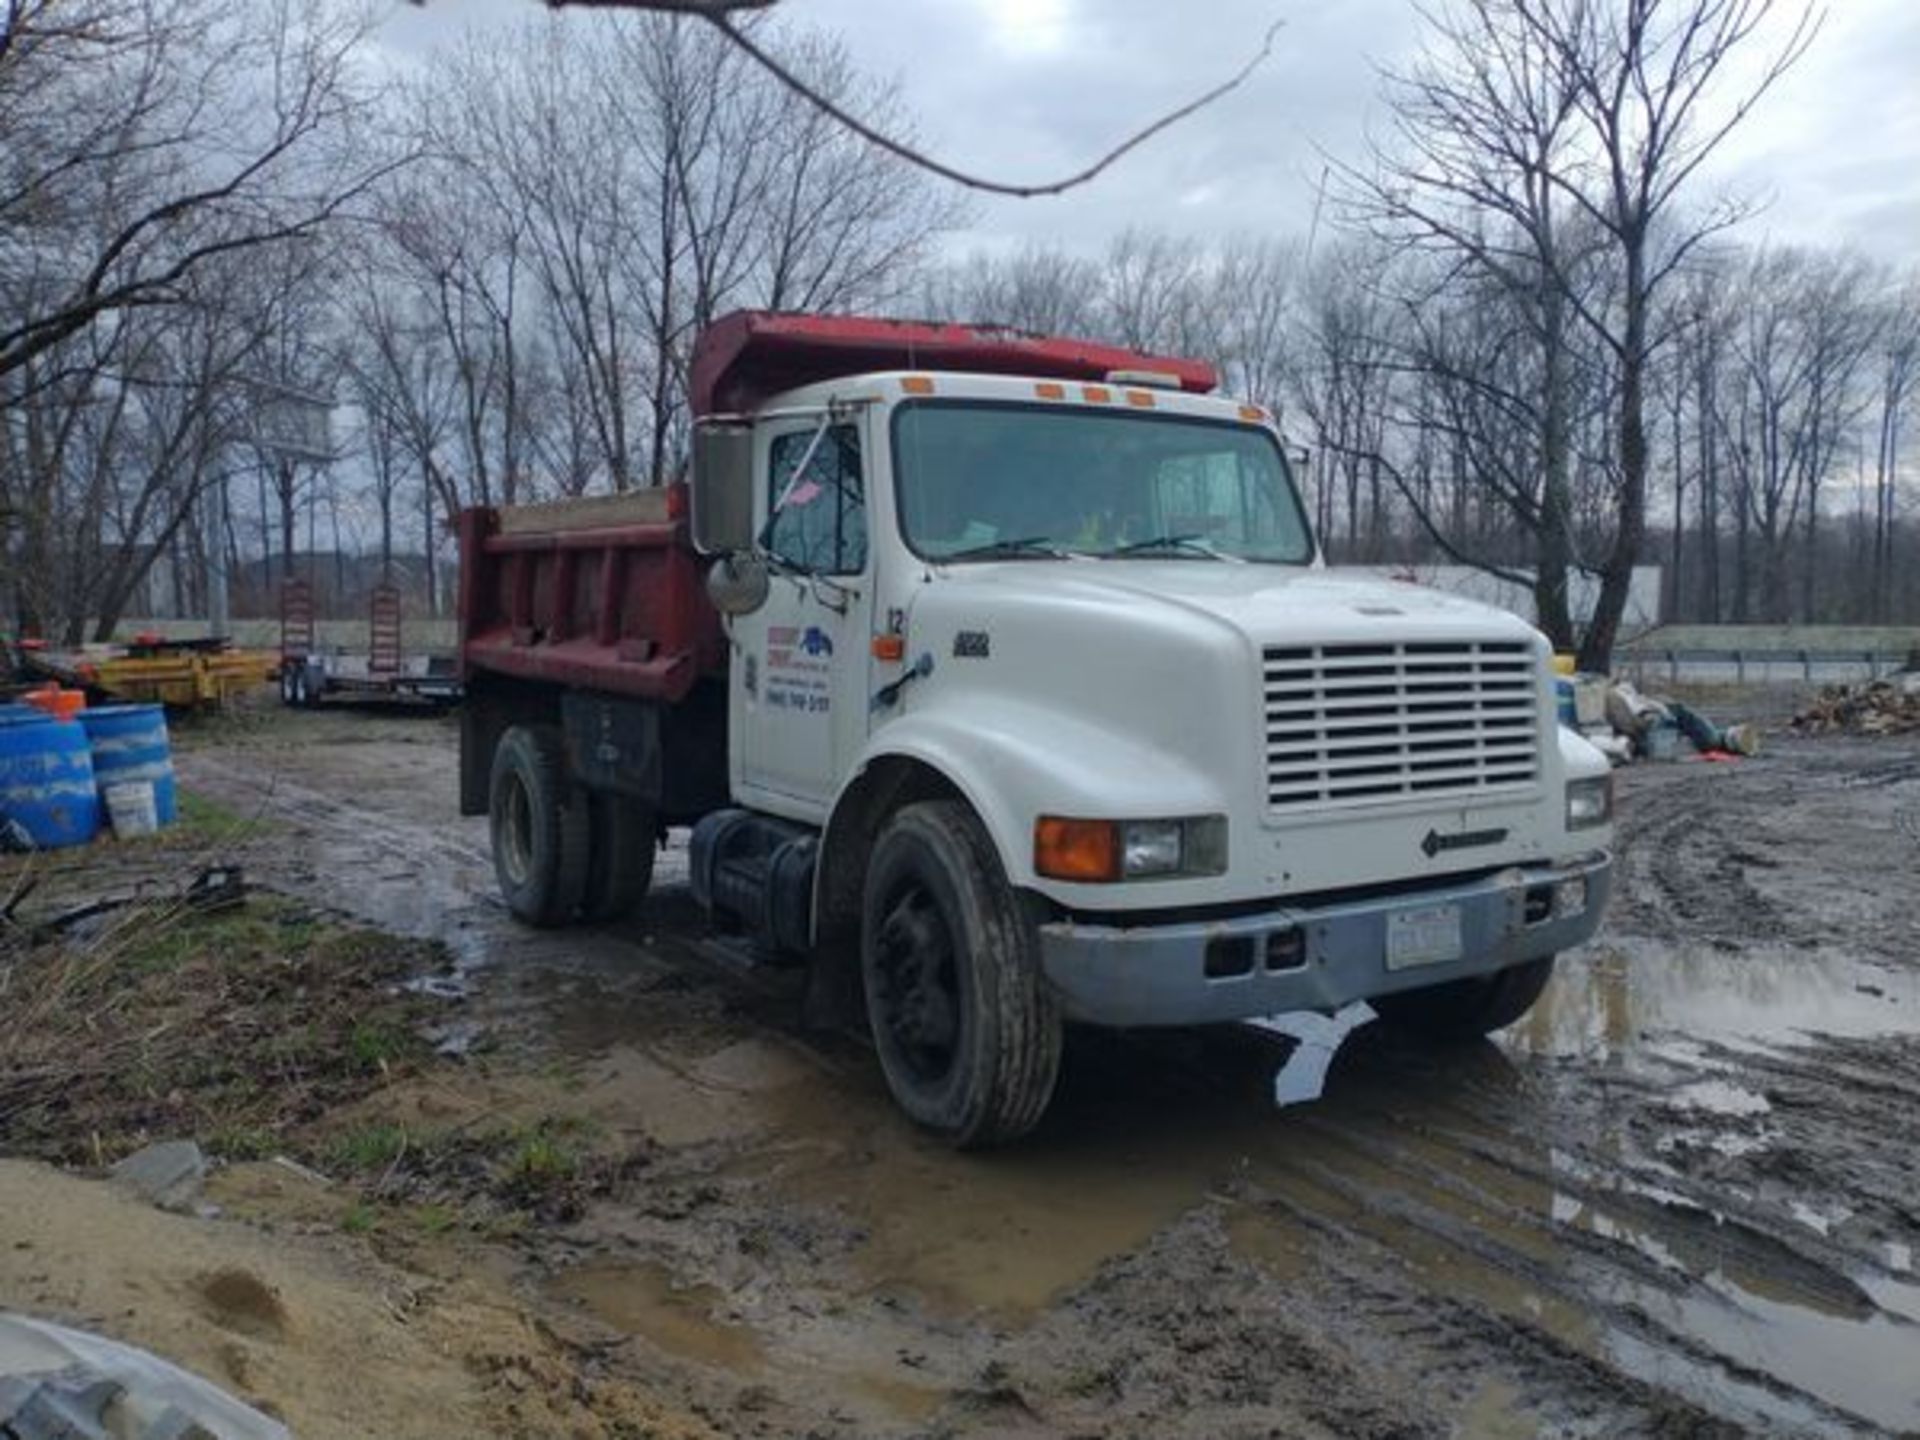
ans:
(602, 594)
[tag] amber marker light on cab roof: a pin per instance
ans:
(1096, 394)
(1253, 413)
(1087, 850)
(917, 384)
(1048, 390)
(1141, 399)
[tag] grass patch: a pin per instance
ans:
(544, 1170)
(437, 1219)
(359, 1219)
(367, 1147)
(240, 1027)
(201, 816)
(376, 1043)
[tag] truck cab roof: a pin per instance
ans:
(743, 359)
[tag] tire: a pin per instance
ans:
(539, 827)
(622, 835)
(286, 686)
(302, 690)
(969, 1038)
(1464, 1010)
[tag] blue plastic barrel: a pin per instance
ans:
(130, 746)
(46, 779)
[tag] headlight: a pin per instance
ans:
(1151, 847)
(1104, 851)
(1589, 802)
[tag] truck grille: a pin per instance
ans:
(1355, 723)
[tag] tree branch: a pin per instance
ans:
(720, 13)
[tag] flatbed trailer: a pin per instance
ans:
(310, 672)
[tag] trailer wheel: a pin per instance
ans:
(302, 691)
(1468, 1009)
(539, 826)
(969, 1038)
(621, 841)
(286, 684)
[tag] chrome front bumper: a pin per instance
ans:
(1317, 957)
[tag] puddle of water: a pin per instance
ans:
(1896, 1297)
(908, 1400)
(1850, 1341)
(1720, 1097)
(643, 1300)
(1865, 1367)
(1000, 1236)
(1615, 1000)
(1733, 1144)
(1496, 1413)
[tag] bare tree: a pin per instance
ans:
(1532, 118)
(149, 138)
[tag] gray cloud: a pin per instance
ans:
(1030, 89)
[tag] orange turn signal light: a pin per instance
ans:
(1086, 850)
(889, 647)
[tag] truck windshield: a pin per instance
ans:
(987, 481)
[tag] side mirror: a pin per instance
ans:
(738, 582)
(722, 487)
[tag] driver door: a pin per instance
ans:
(801, 672)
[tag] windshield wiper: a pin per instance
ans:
(1027, 547)
(1177, 544)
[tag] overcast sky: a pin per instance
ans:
(1032, 89)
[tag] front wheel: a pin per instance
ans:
(1468, 1009)
(969, 1038)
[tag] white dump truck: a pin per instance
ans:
(1000, 680)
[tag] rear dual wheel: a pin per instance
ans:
(560, 852)
(622, 836)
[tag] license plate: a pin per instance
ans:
(1423, 937)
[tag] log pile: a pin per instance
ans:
(1885, 707)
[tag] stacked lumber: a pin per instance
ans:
(1884, 707)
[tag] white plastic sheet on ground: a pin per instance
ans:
(151, 1386)
(1318, 1039)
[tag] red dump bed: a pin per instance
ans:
(603, 593)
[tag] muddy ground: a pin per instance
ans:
(1682, 1198)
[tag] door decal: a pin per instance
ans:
(799, 669)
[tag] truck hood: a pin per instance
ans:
(1137, 688)
(1263, 602)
